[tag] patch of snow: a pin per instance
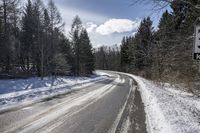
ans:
(156, 122)
(169, 110)
(102, 73)
(21, 91)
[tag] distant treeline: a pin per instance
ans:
(107, 58)
(32, 41)
(161, 54)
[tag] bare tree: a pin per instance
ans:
(162, 4)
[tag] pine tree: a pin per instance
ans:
(86, 54)
(8, 7)
(66, 50)
(185, 14)
(27, 38)
(37, 52)
(60, 65)
(125, 54)
(1, 38)
(45, 47)
(5, 37)
(143, 44)
(56, 26)
(164, 44)
(14, 35)
(75, 41)
(81, 49)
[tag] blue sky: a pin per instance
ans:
(107, 21)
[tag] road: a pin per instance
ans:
(112, 106)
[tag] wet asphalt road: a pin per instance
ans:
(108, 106)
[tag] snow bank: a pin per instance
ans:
(14, 92)
(155, 119)
(169, 110)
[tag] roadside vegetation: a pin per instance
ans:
(163, 54)
(33, 43)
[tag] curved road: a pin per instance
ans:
(108, 106)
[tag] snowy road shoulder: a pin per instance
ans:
(169, 110)
(26, 91)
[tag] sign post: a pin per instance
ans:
(196, 49)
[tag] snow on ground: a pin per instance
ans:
(63, 108)
(102, 73)
(20, 91)
(169, 110)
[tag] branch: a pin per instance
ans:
(162, 4)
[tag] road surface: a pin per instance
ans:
(110, 106)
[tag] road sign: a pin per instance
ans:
(196, 49)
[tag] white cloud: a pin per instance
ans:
(117, 26)
(91, 21)
(68, 14)
(90, 27)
